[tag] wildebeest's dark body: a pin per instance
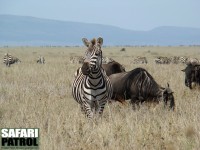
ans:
(192, 74)
(113, 67)
(139, 86)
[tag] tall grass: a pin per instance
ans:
(39, 96)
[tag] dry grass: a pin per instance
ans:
(39, 96)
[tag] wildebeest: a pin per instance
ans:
(192, 75)
(139, 86)
(113, 67)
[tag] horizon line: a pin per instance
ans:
(50, 19)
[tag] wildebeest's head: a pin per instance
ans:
(93, 56)
(168, 97)
(113, 67)
(189, 75)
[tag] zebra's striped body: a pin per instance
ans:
(175, 59)
(139, 60)
(9, 59)
(162, 60)
(178, 59)
(91, 87)
(183, 59)
(41, 60)
(171, 60)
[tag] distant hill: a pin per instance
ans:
(30, 31)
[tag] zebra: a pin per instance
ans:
(92, 87)
(183, 59)
(178, 59)
(9, 59)
(162, 60)
(41, 60)
(139, 60)
(175, 59)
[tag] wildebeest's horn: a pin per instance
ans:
(183, 70)
(167, 84)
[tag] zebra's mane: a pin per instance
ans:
(93, 41)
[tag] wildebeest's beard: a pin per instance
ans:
(189, 77)
(188, 83)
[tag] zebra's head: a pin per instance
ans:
(6, 54)
(93, 56)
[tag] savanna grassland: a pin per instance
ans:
(39, 96)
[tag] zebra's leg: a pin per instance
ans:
(7, 64)
(88, 111)
(82, 109)
(100, 106)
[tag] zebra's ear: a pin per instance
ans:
(85, 42)
(100, 41)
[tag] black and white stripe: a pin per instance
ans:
(140, 60)
(41, 60)
(9, 59)
(91, 87)
(162, 60)
(183, 59)
(178, 59)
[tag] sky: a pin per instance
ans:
(129, 14)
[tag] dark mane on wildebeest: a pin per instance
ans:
(139, 86)
(192, 74)
(113, 67)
